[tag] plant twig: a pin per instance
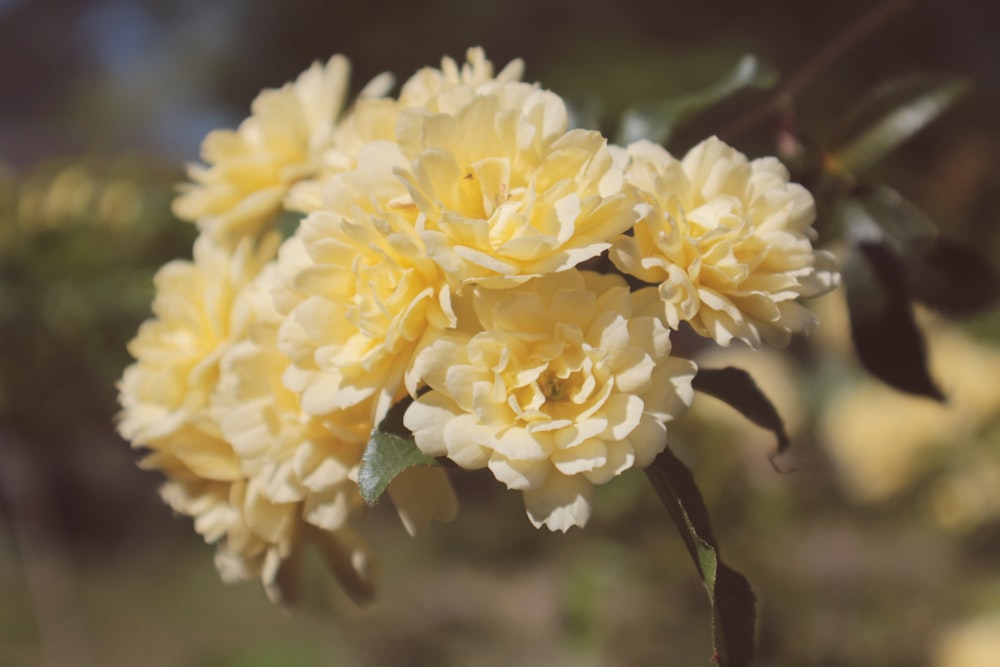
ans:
(855, 33)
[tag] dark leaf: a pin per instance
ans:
(656, 121)
(735, 387)
(391, 450)
(874, 211)
(287, 222)
(891, 114)
(732, 600)
(886, 338)
(943, 274)
(952, 277)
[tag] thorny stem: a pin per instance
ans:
(782, 97)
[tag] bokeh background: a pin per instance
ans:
(881, 548)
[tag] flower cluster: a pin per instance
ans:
(441, 258)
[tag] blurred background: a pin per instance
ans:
(881, 548)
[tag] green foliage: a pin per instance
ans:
(941, 273)
(391, 450)
(886, 337)
(895, 257)
(657, 121)
(952, 277)
(79, 246)
(731, 598)
(891, 114)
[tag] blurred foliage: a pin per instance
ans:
(843, 576)
(80, 242)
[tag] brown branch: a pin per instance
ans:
(847, 39)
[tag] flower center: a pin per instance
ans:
(552, 387)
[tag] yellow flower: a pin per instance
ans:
(165, 394)
(425, 88)
(251, 169)
(727, 241)
(295, 457)
(373, 117)
(971, 643)
(569, 383)
(258, 538)
(205, 396)
(361, 293)
(504, 192)
(299, 458)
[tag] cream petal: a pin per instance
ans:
(519, 475)
(560, 503)
(588, 455)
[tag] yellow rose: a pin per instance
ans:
(373, 116)
(296, 457)
(251, 169)
(205, 396)
(504, 192)
(727, 240)
(258, 538)
(569, 383)
(424, 89)
(361, 292)
(165, 395)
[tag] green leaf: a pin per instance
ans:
(730, 596)
(895, 217)
(886, 337)
(941, 273)
(736, 387)
(391, 450)
(656, 121)
(287, 222)
(953, 278)
(891, 114)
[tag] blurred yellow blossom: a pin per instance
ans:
(429, 83)
(165, 395)
(250, 170)
(975, 643)
(881, 439)
(256, 537)
(373, 116)
(569, 383)
(727, 240)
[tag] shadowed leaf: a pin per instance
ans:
(891, 114)
(391, 450)
(947, 275)
(895, 217)
(886, 338)
(952, 277)
(656, 121)
(732, 600)
(737, 388)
